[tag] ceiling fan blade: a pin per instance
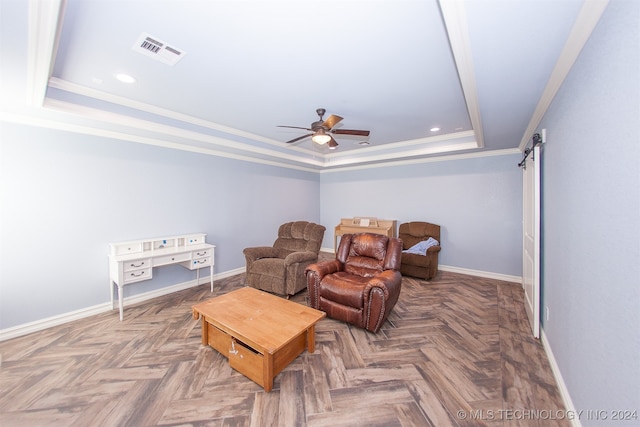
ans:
(299, 138)
(293, 127)
(331, 121)
(333, 144)
(350, 132)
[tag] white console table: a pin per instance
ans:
(131, 262)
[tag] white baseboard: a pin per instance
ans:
(480, 273)
(38, 325)
(562, 387)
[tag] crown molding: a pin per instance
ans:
(399, 150)
(31, 119)
(44, 27)
(433, 159)
(74, 88)
(584, 25)
(455, 21)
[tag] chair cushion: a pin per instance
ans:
(300, 236)
(344, 288)
(415, 259)
(269, 267)
(366, 255)
(298, 230)
(420, 248)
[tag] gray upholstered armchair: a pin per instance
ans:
(279, 269)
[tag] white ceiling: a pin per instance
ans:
(482, 71)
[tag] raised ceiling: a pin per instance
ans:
(482, 72)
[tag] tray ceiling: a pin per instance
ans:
(220, 76)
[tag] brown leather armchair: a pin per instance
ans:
(280, 268)
(362, 285)
(423, 265)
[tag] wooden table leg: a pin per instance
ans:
(311, 339)
(205, 332)
(268, 372)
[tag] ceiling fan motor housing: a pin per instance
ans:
(318, 125)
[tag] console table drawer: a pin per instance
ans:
(127, 248)
(136, 264)
(201, 253)
(195, 239)
(201, 262)
(171, 259)
(137, 275)
(198, 263)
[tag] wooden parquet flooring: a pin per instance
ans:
(455, 351)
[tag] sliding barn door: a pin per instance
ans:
(531, 240)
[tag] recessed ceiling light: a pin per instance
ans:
(125, 78)
(436, 129)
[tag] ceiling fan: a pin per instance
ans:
(322, 130)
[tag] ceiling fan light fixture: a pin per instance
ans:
(332, 144)
(320, 137)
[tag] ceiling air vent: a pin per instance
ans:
(155, 48)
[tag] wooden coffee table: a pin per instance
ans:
(258, 332)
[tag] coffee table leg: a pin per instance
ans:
(205, 332)
(311, 339)
(267, 375)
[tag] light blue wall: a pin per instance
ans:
(476, 201)
(65, 196)
(591, 219)
(71, 194)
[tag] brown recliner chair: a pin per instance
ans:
(279, 269)
(423, 265)
(362, 285)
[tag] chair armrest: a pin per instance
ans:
(323, 268)
(433, 249)
(380, 295)
(389, 281)
(297, 257)
(315, 273)
(258, 252)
